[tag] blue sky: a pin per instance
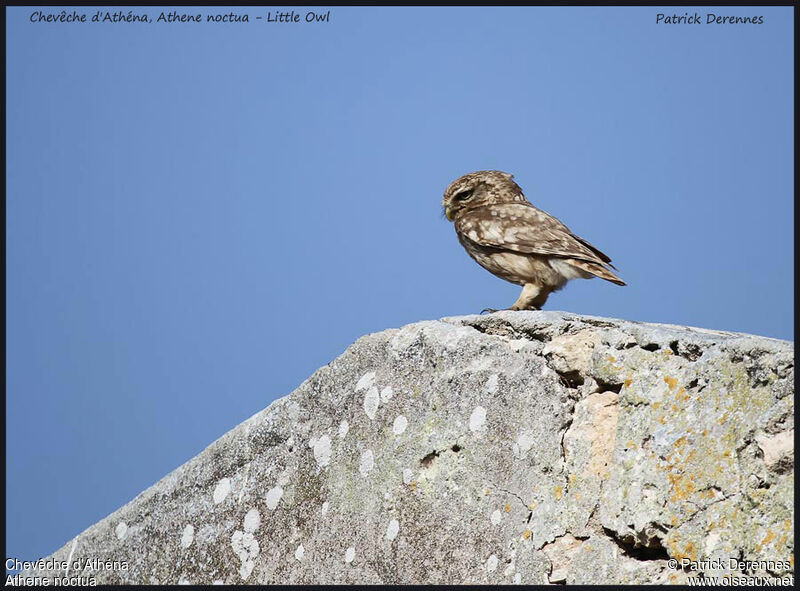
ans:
(201, 215)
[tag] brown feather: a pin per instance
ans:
(597, 270)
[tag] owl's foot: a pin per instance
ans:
(511, 309)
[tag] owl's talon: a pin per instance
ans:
(489, 311)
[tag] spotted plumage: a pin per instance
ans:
(509, 237)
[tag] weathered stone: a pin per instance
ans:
(518, 447)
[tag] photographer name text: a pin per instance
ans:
(708, 19)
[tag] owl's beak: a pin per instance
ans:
(448, 213)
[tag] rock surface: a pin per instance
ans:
(519, 447)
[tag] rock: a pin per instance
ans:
(518, 447)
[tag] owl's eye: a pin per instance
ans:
(463, 195)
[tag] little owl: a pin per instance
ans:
(514, 240)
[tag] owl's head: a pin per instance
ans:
(478, 189)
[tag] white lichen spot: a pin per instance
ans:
(477, 420)
(367, 463)
(525, 441)
(325, 506)
(184, 581)
(312, 442)
(391, 531)
(298, 554)
(371, 402)
(252, 520)
(510, 568)
(711, 542)
(408, 475)
(349, 555)
(517, 579)
(273, 497)
(344, 427)
(366, 381)
(188, 536)
(400, 424)
(245, 546)
(491, 384)
(221, 491)
(496, 517)
(387, 393)
(121, 530)
(491, 563)
(322, 451)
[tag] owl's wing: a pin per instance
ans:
(521, 227)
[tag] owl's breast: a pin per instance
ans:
(515, 267)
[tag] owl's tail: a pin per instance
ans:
(596, 270)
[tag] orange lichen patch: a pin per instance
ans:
(710, 494)
(656, 405)
(662, 419)
(767, 539)
(413, 485)
(667, 352)
(532, 506)
(628, 382)
(671, 382)
(791, 559)
(688, 551)
(674, 520)
(683, 486)
(508, 507)
(526, 534)
(578, 496)
(572, 479)
(487, 492)
(611, 359)
(705, 432)
(682, 481)
(559, 492)
(682, 395)
(723, 419)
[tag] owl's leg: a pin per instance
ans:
(532, 297)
